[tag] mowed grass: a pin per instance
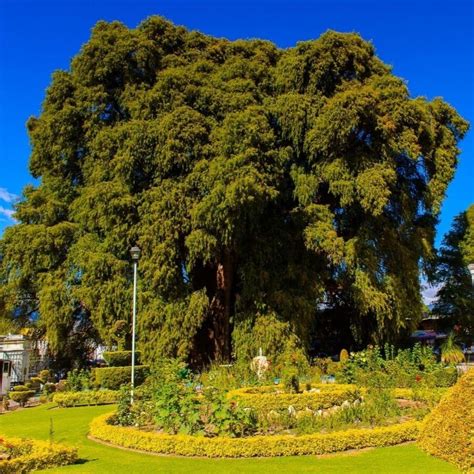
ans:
(71, 425)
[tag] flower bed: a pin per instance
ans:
(87, 397)
(254, 446)
(30, 455)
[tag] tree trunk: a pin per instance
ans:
(221, 309)
(212, 341)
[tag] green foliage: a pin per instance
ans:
(278, 343)
(250, 176)
(113, 378)
(403, 368)
(291, 381)
(121, 358)
(451, 353)
(78, 380)
(455, 298)
(172, 401)
(21, 396)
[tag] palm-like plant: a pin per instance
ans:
(451, 352)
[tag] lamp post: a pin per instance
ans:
(471, 270)
(135, 253)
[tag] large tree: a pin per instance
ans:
(455, 298)
(255, 180)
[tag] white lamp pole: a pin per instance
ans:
(471, 270)
(135, 252)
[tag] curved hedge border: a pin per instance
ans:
(41, 455)
(89, 397)
(448, 431)
(267, 398)
(255, 446)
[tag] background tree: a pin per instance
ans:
(455, 298)
(256, 180)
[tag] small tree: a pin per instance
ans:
(451, 353)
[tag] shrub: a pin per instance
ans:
(114, 377)
(276, 445)
(78, 380)
(276, 339)
(21, 397)
(46, 376)
(36, 383)
(291, 381)
(447, 431)
(28, 455)
(121, 358)
(91, 397)
(343, 355)
(49, 388)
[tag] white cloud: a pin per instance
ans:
(430, 294)
(8, 213)
(7, 196)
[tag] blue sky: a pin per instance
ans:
(429, 44)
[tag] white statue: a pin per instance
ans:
(260, 364)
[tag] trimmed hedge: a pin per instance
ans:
(121, 358)
(37, 455)
(89, 397)
(448, 431)
(268, 398)
(21, 394)
(262, 446)
(113, 378)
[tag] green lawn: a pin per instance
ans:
(71, 426)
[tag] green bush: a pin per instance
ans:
(276, 339)
(91, 397)
(397, 368)
(21, 396)
(121, 358)
(36, 383)
(114, 377)
(78, 380)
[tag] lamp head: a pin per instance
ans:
(135, 253)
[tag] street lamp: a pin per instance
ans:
(135, 253)
(471, 270)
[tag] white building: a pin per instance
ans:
(15, 350)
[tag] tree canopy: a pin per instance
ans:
(256, 180)
(455, 298)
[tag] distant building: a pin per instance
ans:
(20, 358)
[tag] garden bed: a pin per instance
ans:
(253, 446)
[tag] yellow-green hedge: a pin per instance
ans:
(273, 398)
(41, 455)
(268, 398)
(448, 431)
(262, 446)
(89, 397)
